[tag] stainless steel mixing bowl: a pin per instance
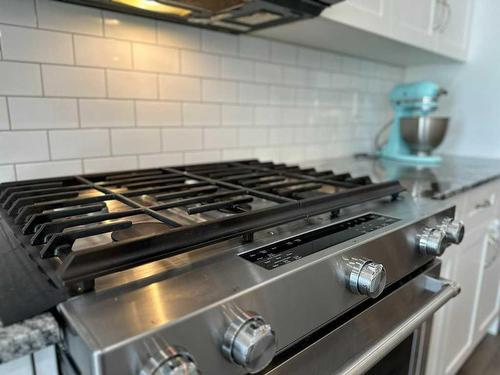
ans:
(423, 134)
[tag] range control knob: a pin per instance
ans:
(366, 277)
(170, 360)
(432, 241)
(249, 342)
(454, 230)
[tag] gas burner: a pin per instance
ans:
(139, 230)
(80, 228)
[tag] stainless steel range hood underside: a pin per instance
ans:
(234, 16)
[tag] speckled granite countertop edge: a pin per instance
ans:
(28, 336)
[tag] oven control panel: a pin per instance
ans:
(300, 246)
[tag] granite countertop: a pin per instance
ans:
(453, 176)
(28, 336)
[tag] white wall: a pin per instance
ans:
(474, 88)
(82, 90)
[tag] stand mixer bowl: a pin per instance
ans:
(423, 134)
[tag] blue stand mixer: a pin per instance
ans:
(412, 104)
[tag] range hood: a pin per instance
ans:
(235, 16)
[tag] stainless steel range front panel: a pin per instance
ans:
(116, 330)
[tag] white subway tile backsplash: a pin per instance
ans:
(73, 81)
(4, 114)
(236, 115)
(18, 147)
(135, 141)
(105, 53)
(163, 93)
(158, 114)
(195, 114)
(320, 79)
(68, 17)
(254, 48)
(281, 136)
(253, 93)
(295, 76)
(127, 84)
(182, 139)
(180, 88)
(116, 163)
(160, 160)
(18, 12)
(308, 57)
(220, 138)
(331, 61)
(48, 169)
(199, 64)
(43, 113)
(156, 59)
(267, 116)
(292, 154)
(237, 154)
(71, 144)
(219, 91)
(293, 116)
(214, 42)
(105, 113)
(7, 173)
(282, 95)
(283, 53)
(251, 137)
(197, 157)
(171, 34)
(20, 79)
(268, 73)
(24, 44)
(237, 69)
(123, 26)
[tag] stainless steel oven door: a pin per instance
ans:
(388, 337)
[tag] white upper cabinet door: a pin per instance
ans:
(369, 15)
(454, 28)
(414, 22)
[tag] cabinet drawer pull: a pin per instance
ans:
(487, 203)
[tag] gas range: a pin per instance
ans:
(221, 268)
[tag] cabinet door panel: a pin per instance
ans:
(487, 299)
(452, 340)
(413, 22)
(20, 366)
(370, 15)
(453, 37)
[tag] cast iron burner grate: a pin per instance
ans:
(80, 228)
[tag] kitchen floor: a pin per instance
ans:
(485, 360)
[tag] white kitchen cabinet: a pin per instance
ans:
(459, 313)
(43, 362)
(453, 28)
(413, 22)
(475, 264)
(402, 32)
(373, 15)
(20, 366)
(487, 297)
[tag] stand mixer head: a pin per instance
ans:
(413, 132)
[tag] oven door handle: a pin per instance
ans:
(445, 289)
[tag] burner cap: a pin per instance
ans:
(138, 230)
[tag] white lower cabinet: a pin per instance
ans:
(43, 362)
(475, 264)
(488, 295)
